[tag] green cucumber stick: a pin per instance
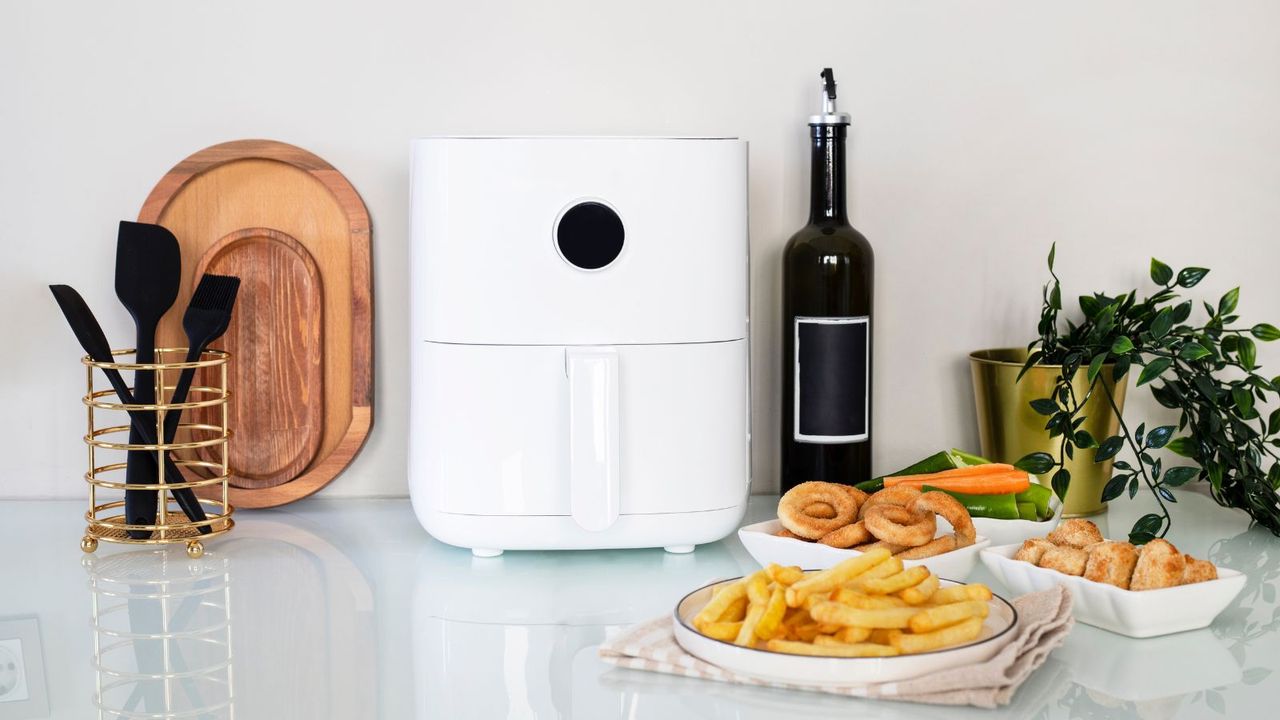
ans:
(1027, 511)
(968, 459)
(1039, 495)
(937, 462)
(1000, 507)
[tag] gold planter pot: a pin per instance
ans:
(1010, 429)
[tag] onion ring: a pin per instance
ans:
(847, 536)
(785, 533)
(820, 510)
(900, 495)
(901, 526)
(792, 506)
(936, 546)
(952, 511)
(893, 549)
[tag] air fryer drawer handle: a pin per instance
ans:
(593, 436)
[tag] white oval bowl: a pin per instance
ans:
(1008, 532)
(997, 631)
(1136, 613)
(766, 547)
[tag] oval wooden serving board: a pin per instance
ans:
(295, 232)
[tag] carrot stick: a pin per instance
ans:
(971, 471)
(992, 484)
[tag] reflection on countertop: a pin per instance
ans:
(347, 609)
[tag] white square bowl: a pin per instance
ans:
(1136, 613)
(766, 547)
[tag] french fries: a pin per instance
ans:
(909, 643)
(837, 650)
(908, 578)
(920, 593)
(940, 616)
(867, 606)
(834, 577)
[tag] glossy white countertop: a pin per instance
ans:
(346, 609)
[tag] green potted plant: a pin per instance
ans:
(1206, 369)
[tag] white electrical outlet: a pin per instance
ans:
(13, 676)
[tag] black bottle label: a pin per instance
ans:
(832, 376)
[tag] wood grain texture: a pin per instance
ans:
(280, 398)
(276, 190)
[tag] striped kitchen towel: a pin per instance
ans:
(1044, 619)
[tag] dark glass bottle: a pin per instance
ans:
(828, 269)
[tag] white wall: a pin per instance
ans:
(983, 131)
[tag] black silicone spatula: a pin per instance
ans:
(148, 273)
(205, 320)
(95, 344)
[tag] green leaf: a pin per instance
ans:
(1114, 488)
(1184, 446)
(1082, 439)
(1090, 306)
(1137, 434)
(1121, 345)
(1161, 274)
(1162, 324)
(1133, 487)
(1053, 249)
(1227, 304)
(1032, 359)
(1248, 353)
(1121, 367)
(1153, 370)
(1265, 332)
(1243, 400)
(1095, 365)
(1061, 481)
(1273, 422)
(1159, 437)
(1037, 463)
(1164, 492)
(1044, 406)
(1182, 312)
(1193, 351)
(1055, 297)
(1190, 277)
(1148, 524)
(1180, 475)
(1108, 448)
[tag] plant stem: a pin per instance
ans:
(1137, 455)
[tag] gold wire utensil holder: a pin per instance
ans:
(106, 520)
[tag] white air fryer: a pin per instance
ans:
(579, 333)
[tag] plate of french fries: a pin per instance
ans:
(868, 619)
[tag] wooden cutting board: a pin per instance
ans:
(297, 234)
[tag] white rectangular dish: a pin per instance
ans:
(1135, 613)
(766, 547)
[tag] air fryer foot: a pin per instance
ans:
(679, 549)
(485, 552)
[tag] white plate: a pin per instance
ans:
(1136, 613)
(766, 547)
(1008, 532)
(997, 631)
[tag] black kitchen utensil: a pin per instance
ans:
(95, 344)
(148, 273)
(206, 319)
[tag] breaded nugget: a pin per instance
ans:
(1160, 565)
(1065, 559)
(1032, 549)
(1198, 570)
(1076, 532)
(1111, 562)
